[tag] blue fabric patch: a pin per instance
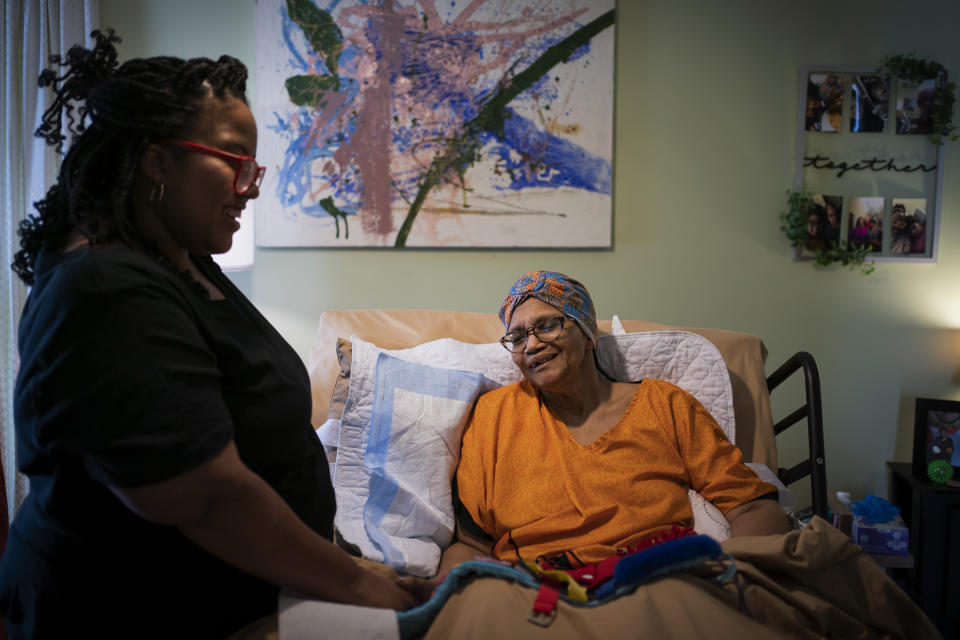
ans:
(640, 567)
(415, 622)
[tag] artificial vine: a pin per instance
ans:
(908, 67)
(793, 222)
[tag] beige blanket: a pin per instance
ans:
(812, 583)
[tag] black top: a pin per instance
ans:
(128, 378)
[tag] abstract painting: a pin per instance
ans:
(435, 123)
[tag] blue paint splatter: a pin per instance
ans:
(535, 158)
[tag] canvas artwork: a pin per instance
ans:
(428, 123)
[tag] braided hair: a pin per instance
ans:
(113, 112)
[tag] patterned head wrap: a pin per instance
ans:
(557, 290)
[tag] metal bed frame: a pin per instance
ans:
(814, 466)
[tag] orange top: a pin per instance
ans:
(537, 491)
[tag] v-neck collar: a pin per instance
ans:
(566, 435)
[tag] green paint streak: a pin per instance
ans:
(319, 28)
(329, 207)
(308, 91)
(462, 151)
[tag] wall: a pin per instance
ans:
(706, 109)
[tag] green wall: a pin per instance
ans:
(706, 110)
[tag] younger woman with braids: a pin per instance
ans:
(175, 479)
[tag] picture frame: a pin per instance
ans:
(852, 143)
(488, 125)
(936, 436)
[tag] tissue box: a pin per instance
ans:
(889, 538)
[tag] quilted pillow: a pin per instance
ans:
(686, 359)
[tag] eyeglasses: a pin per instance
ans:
(547, 330)
(248, 172)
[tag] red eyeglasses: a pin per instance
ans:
(247, 172)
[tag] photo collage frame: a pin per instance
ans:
(865, 155)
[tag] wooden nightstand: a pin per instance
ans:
(932, 513)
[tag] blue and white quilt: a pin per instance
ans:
(399, 445)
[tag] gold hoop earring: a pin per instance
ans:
(156, 195)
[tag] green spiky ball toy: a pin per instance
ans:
(940, 471)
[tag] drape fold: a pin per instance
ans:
(33, 31)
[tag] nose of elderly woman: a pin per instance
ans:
(533, 344)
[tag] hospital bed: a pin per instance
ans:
(392, 389)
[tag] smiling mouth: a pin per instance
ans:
(233, 213)
(539, 362)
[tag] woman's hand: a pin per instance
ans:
(420, 588)
(376, 591)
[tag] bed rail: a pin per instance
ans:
(814, 466)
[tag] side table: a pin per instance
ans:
(932, 513)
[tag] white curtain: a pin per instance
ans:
(33, 31)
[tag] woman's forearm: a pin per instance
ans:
(236, 516)
(758, 518)
(455, 554)
(255, 531)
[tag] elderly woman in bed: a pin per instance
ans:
(569, 466)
